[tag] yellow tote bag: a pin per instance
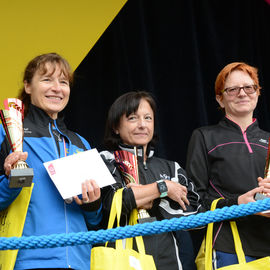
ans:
(119, 258)
(11, 225)
(259, 264)
(200, 259)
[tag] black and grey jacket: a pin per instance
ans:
(225, 161)
(151, 171)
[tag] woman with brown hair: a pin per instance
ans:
(45, 94)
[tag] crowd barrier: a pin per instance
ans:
(102, 236)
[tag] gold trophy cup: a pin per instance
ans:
(12, 119)
(128, 165)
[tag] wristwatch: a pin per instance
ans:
(162, 188)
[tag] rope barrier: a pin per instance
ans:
(102, 236)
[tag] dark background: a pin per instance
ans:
(173, 49)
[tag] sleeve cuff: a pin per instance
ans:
(92, 206)
(129, 202)
(227, 202)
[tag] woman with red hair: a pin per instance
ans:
(228, 159)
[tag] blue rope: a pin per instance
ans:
(102, 236)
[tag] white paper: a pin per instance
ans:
(68, 173)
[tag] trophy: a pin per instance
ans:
(128, 165)
(261, 196)
(12, 119)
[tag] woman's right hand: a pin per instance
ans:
(249, 197)
(147, 205)
(12, 159)
(146, 194)
(178, 193)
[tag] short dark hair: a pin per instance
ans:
(39, 63)
(126, 104)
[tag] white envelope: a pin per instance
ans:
(68, 173)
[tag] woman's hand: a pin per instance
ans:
(12, 159)
(178, 193)
(265, 183)
(147, 205)
(249, 196)
(90, 192)
(146, 194)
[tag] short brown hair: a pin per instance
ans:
(39, 63)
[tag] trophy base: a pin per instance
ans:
(260, 196)
(143, 217)
(21, 177)
(147, 219)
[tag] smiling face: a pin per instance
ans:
(138, 128)
(241, 104)
(49, 91)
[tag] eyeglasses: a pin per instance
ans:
(234, 91)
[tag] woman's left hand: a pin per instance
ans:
(178, 193)
(265, 183)
(90, 192)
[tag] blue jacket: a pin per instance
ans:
(48, 213)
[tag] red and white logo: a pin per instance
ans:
(51, 169)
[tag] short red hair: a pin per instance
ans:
(223, 74)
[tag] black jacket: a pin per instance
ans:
(225, 161)
(154, 169)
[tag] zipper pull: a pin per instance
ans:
(144, 165)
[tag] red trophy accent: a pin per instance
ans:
(128, 165)
(12, 119)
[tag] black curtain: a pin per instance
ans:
(173, 49)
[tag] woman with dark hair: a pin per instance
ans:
(226, 159)
(163, 189)
(45, 94)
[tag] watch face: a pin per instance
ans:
(163, 188)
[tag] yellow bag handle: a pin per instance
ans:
(209, 240)
(209, 235)
(116, 209)
(237, 243)
(139, 240)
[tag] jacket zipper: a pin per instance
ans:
(247, 142)
(65, 208)
(145, 165)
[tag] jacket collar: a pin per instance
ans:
(137, 150)
(41, 118)
(229, 123)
